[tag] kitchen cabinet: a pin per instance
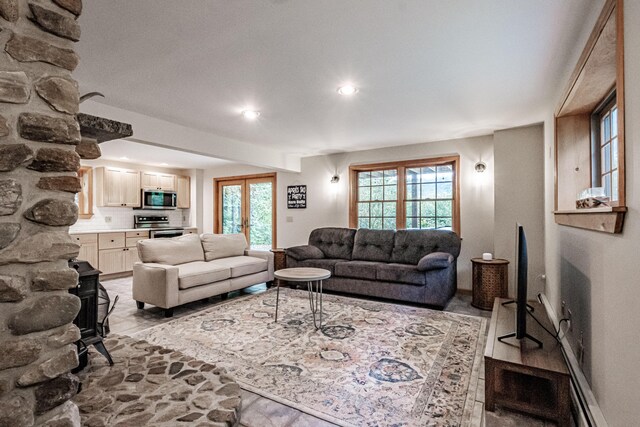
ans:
(111, 240)
(183, 188)
(158, 181)
(131, 256)
(117, 187)
(117, 251)
(88, 248)
(112, 260)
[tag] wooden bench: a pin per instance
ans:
(521, 376)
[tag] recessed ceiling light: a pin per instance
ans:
(347, 90)
(124, 158)
(250, 114)
(164, 164)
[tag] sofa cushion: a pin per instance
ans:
(401, 273)
(373, 245)
(173, 251)
(327, 264)
(335, 243)
(304, 252)
(356, 269)
(242, 265)
(435, 261)
(218, 246)
(201, 273)
(411, 245)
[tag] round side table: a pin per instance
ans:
(490, 281)
(309, 275)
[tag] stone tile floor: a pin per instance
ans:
(258, 411)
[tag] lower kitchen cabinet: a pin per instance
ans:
(110, 252)
(130, 258)
(118, 260)
(112, 260)
(88, 248)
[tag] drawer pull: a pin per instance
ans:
(112, 241)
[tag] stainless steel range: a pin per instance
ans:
(158, 226)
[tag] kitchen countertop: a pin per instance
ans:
(120, 230)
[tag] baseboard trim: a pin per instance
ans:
(585, 403)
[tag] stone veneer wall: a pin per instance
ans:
(39, 135)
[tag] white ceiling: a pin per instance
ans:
(133, 152)
(427, 69)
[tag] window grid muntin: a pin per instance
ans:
(377, 198)
(417, 206)
(608, 152)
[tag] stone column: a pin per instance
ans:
(38, 164)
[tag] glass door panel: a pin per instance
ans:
(260, 228)
(247, 206)
(231, 208)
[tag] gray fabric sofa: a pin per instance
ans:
(407, 265)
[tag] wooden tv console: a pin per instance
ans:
(528, 379)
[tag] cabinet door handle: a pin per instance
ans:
(112, 241)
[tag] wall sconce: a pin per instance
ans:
(480, 167)
(335, 179)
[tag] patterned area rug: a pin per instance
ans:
(373, 364)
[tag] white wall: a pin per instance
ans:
(156, 132)
(598, 274)
(105, 218)
(519, 197)
(327, 204)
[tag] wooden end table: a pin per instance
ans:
(311, 276)
(490, 281)
(279, 258)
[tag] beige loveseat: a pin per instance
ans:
(189, 268)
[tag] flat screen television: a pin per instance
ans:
(521, 294)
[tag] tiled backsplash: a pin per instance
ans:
(123, 218)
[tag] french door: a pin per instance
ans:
(247, 205)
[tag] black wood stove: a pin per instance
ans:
(91, 326)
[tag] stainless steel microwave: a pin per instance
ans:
(158, 199)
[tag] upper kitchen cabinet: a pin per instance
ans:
(183, 188)
(158, 181)
(117, 187)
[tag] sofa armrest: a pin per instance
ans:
(301, 253)
(435, 261)
(267, 255)
(155, 284)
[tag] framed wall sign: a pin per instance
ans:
(297, 197)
